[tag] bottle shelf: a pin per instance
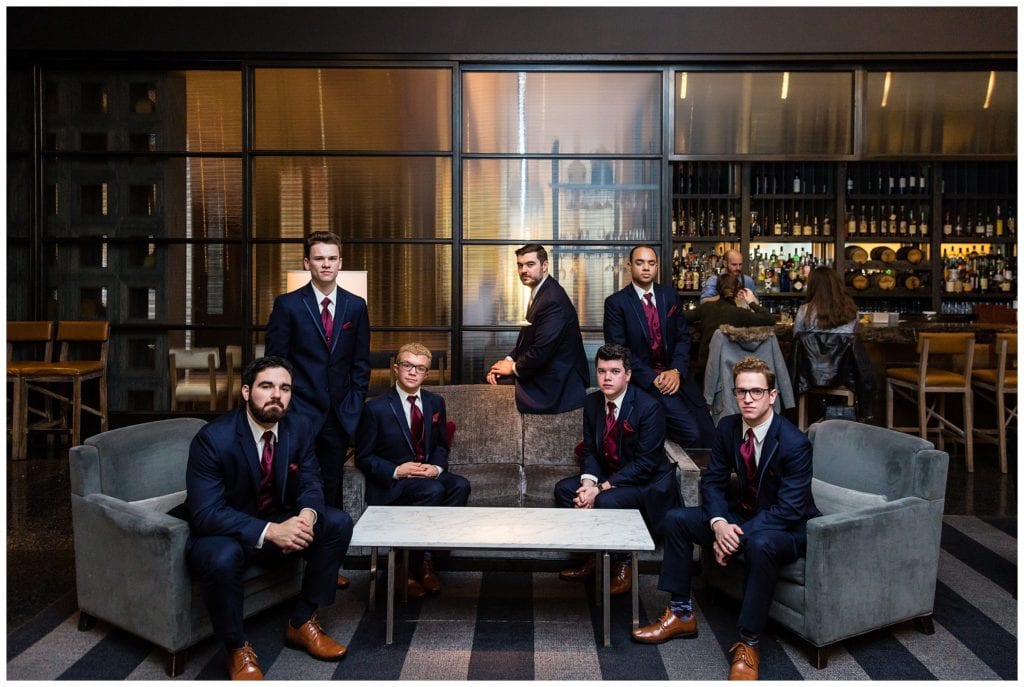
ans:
(791, 239)
(890, 199)
(981, 296)
(791, 196)
(922, 293)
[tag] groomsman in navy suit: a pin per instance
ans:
(324, 331)
(623, 464)
(402, 449)
(764, 517)
(646, 318)
(254, 496)
(548, 363)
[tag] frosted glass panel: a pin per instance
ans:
(943, 113)
(355, 197)
(541, 200)
(353, 109)
(560, 112)
(763, 113)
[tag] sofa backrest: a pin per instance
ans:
(877, 460)
(552, 439)
(134, 463)
(489, 428)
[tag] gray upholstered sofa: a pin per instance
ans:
(872, 557)
(509, 458)
(130, 567)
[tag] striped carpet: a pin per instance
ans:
(532, 626)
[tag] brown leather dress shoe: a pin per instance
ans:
(242, 664)
(428, 578)
(416, 590)
(745, 661)
(669, 626)
(622, 579)
(312, 638)
(343, 582)
(583, 572)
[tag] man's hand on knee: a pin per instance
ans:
(294, 534)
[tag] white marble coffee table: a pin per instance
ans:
(543, 529)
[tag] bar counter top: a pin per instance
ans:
(905, 331)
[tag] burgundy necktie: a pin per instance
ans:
(416, 425)
(654, 328)
(611, 445)
(327, 320)
(749, 501)
(267, 473)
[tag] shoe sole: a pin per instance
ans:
(692, 635)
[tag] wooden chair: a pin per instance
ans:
(994, 385)
(194, 376)
(233, 367)
(915, 383)
(839, 391)
(71, 368)
(29, 344)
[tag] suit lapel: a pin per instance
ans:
(662, 306)
(638, 311)
(309, 298)
(340, 311)
(396, 401)
(249, 453)
(768, 449)
(282, 454)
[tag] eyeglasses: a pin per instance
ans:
(409, 367)
(755, 394)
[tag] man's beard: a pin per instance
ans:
(267, 416)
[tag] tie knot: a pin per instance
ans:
(411, 399)
(611, 408)
(268, 438)
(650, 298)
(325, 302)
(750, 434)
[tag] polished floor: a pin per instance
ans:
(40, 549)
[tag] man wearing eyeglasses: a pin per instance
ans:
(765, 518)
(402, 449)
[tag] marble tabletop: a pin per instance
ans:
(441, 527)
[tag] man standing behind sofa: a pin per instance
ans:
(402, 448)
(324, 331)
(548, 362)
(254, 496)
(645, 317)
(623, 464)
(765, 517)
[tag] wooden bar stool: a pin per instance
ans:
(839, 391)
(37, 340)
(915, 383)
(994, 384)
(74, 370)
(195, 377)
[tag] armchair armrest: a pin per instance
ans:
(870, 568)
(687, 473)
(141, 553)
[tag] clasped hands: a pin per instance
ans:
(414, 469)
(587, 494)
(667, 382)
(727, 541)
(502, 368)
(294, 534)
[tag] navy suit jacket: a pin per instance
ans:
(384, 440)
(223, 477)
(552, 372)
(626, 324)
(641, 440)
(324, 380)
(784, 500)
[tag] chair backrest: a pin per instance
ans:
(1006, 352)
(35, 335)
(233, 357)
(489, 428)
(200, 358)
(83, 332)
(949, 344)
(134, 463)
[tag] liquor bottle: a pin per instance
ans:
(989, 228)
(923, 229)
(999, 221)
(873, 223)
(912, 223)
(755, 227)
(922, 183)
(862, 228)
(912, 185)
(732, 223)
(979, 226)
(849, 184)
(883, 224)
(702, 228)
(903, 221)
(777, 227)
(796, 182)
(811, 230)
(903, 184)
(947, 228)
(894, 224)
(795, 228)
(826, 226)
(892, 184)
(1011, 222)
(959, 226)
(851, 222)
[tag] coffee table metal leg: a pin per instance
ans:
(389, 638)
(405, 576)
(373, 578)
(636, 590)
(597, 580)
(606, 562)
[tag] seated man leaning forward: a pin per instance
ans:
(623, 463)
(402, 449)
(764, 518)
(255, 496)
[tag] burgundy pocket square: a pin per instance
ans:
(672, 310)
(435, 418)
(347, 325)
(293, 467)
(628, 428)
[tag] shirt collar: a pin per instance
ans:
(332, 294)
(762, 429)
(640, 293)
(617, 400)
(258, 430)
(404, 395)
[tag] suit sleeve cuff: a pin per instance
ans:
(711, 523)
(263, 534)
(590, 477)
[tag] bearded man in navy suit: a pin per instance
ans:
(402, 449)
(548, 363)
(764, 517)
(623, 464)
(646, 318)
(254, 496)
(324, 331)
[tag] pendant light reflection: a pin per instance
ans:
(785, 85)
(682, 86)
(991, 87)
(885, 88)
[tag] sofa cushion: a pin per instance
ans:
(552, 439)
(494, 484)
(490, 427)
(831, 498)
(540, 483)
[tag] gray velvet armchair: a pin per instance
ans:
(130, 567)
(872, 557)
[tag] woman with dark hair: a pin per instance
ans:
(828, 307)
(726, 310)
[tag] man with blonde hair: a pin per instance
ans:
(402, 449)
